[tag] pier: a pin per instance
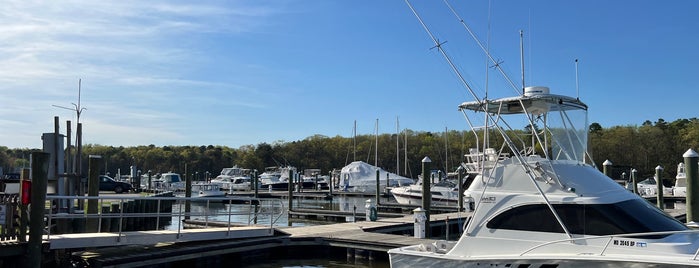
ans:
(256, 230)
(366, 238)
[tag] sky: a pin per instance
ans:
(236, 73)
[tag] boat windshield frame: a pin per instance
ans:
(557, 124)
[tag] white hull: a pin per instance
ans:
(361, 177)
(407, 260)
(207, 190)
(416, 199)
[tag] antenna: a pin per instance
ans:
(78, 110)
(521, 51)
(577, 88)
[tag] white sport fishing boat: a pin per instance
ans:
(443, 193)
(550, 207)
(541, 201)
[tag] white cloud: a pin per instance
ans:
(134, 58)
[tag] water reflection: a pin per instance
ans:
(271, 211)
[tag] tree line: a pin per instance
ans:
(643, 147)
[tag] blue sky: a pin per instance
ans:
(235, 73)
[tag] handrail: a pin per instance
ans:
(257, 206)
(611, 238)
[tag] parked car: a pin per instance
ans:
(109, 184)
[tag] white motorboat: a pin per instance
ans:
(232, 177)
(540, 201)
(443, 193)
(552, 207)
(203, 190)
(680, 188)
(240, 183)
(168, 181)
(649, 188)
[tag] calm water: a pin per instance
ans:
(313, 263)
(331, 258)
(244, 213)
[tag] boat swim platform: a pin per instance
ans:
(364, 235)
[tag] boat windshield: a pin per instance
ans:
(568, 129)
(627, 217)
(171, 178)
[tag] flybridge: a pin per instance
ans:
(536, 100)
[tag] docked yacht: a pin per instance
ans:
(680, 188)
(442, 192)
(547, 205)
(538, 199)
(233, 178)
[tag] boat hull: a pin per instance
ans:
(408, 199)
(399, 260)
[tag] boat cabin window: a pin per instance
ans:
(631, 216)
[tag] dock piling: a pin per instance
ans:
(426, 194)
(461, 187)
(606, 166)
(691, 170)
(378, 187)
(40, 170)
(633, 180)
(93, 189)
(659, 180)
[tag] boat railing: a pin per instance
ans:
(476, 160)
(610, 239)
(210, 211)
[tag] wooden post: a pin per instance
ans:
(40, 170)
(388, 180)
(255, 183)
(93, 189)
(659, 180)
(426, 194)
(378, 185)
(690, 162)
(461, 188)
(633, 180)
(331, 183)
(606, 166)
(187, 194)
(291, 188)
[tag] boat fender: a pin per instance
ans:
(373, 214)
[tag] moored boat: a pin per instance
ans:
(443, 193)
(359, 176)
(540, 201)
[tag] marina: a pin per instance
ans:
(523, 190)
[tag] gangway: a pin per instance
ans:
(243, 218)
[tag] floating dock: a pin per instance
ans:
(368, 237)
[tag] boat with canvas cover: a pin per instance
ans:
(359, 176)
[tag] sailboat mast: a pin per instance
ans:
(376, 150)
(397, 146)
(446, 150)
(354, 140)
(405, 145)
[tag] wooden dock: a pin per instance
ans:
(377, 236)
